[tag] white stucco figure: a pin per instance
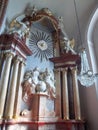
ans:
(49, 80)
(35, 75)
(27, 85)
(28, 75)
(61, 26)
(27, 90)
(37, 81)
(69, 45)
(66, 44)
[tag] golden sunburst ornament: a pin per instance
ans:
(41, 44)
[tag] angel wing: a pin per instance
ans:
(72, 43)
(14, 23)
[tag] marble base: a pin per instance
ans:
(37, 125)
(42, 108)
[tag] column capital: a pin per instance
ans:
(17, 59)
(73, 69)
(57, 70)
(64, 69)
(23, 62)
(9, 54)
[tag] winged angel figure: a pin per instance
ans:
(66, 44)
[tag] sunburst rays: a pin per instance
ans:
(40, 52)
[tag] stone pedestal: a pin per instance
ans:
(42, 108)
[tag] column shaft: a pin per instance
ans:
(4, 81)
(18, 91)
(65, 95)
(1, 62)
(76, 94)
(58, 93)
(12, 89)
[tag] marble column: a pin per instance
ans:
(18, 91)
(1, 62)
(12, 89)
(4, 81)
(65, 95)
(57, 73)
(76, 94)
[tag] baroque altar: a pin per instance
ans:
(50, 95)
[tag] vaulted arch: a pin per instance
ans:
(90, 40)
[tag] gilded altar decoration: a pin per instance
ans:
(19, 27)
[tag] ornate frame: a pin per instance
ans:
(46, 13)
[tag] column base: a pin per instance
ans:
(66, 118)
(1, 118)
(9, 117)
(15, 117)
(78, 118)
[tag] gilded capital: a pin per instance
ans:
(73, 69)
(57, 70)
(9, 55)
(22, 63)
(16, 59)
(64, 69)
